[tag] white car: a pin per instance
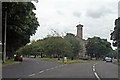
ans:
(108, 59)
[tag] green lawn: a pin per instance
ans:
(69, 61)
(7, 62)
(52, 60)
(119, 62)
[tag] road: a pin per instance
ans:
(35, 68)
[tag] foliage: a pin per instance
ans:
(35, 48)
(21, 24)
(53, 46)
(115, 35)
(74, 42)
(8, 62)
(57, 46)
(97, 47)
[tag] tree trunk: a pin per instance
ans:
(41, 55)
(58, 57)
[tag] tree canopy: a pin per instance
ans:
(76, 46)
(21, 24)
(97, 47)
(53, 46)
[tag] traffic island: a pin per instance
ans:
(68, 61)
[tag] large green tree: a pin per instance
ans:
(76, 46)
(21, 24)
(53, 46)
(97, 47)
(35, 48)
(57, 46)
(115, 36)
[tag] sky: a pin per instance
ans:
(62, 16)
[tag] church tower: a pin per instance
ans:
(83, 42)
(80, 31)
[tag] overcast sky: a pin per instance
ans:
(97, 16)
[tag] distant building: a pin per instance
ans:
(82, 41)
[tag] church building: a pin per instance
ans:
(83, 42)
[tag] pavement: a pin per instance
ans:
(36, 68)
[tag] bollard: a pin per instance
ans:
(65, 60)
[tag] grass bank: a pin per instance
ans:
(69, 61)
(8, 62)
(119, 62)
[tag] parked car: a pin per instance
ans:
(108, 59)
(85, 58)
(18, 58)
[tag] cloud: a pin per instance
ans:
(97, 16)
(119, 9)
(98, 12)
(76, 14)
(60, 12)
(99, 9)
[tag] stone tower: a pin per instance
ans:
(80, 31)
(83, 42)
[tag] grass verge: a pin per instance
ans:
(69, 61)
(52, 60)
(119, 62)
(8, 62)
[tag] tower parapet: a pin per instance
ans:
(80, 31)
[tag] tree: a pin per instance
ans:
(75, 44)
(35, 49)
(57, 46)
(97, 47)
(21, 24)
(115, 35)
(53, 46)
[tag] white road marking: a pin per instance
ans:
(95, 72)
(32, 75)
(95, 63)
(41, 71)
(97, 76)
(93, 69)
(52, 68)
(47, 69)
(19, 79)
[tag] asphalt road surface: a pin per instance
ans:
(35, 68)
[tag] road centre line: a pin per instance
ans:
(18, 79)
(95, 73)
(93, 69)
(41, 71)
(51, 68)
(97, 76)
(46, 70)
(31, 75)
